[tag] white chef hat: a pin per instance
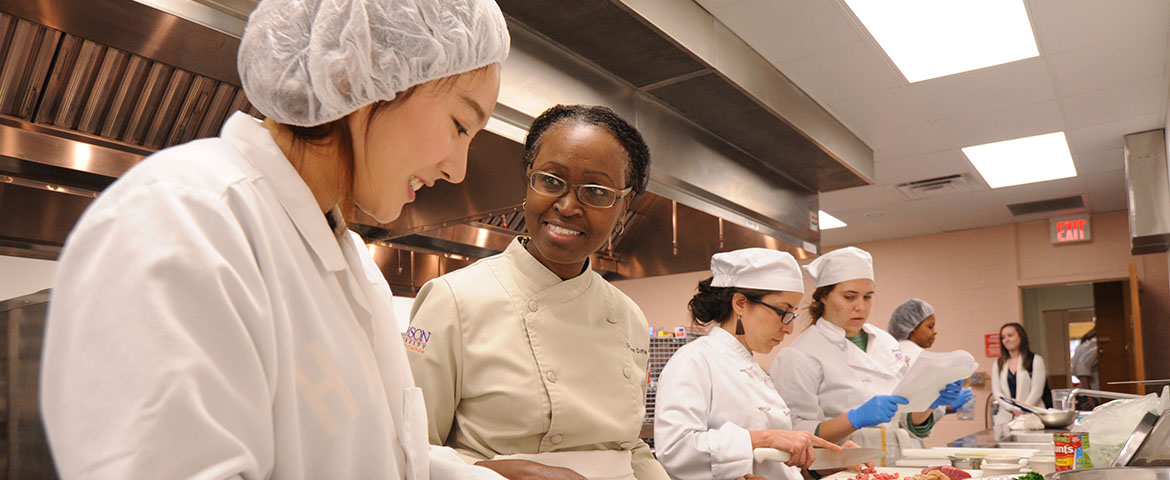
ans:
(840, 265)
(309, 62)
(756, 268)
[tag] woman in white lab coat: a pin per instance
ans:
(714, 403)
(532, 364)
(838, 376)
(213, 316)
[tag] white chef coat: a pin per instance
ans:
(208, 323)
(711, 394)
(823, 375)
(514, 360)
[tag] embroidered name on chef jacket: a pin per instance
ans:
(416, 339)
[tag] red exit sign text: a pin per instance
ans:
(1070, 229)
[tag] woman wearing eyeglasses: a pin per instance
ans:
(535, 366)
(714, 403)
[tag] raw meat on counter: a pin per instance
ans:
(951, 472)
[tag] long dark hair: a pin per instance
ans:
(713, 304)
(1025, 350)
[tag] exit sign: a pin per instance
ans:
(1070, 229)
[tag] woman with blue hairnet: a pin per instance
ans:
(214, 317)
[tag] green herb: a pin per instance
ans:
(1030, 476)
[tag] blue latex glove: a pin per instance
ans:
(876, 411)
(951, 396)
(966, 396)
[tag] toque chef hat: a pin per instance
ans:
(757, 268)
(840, 265)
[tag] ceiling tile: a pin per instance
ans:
(987, 89)
(714, 4)
(910, 140)
(1131, 58)
(1107, 191)
(867, 115)
(1014, 122)
(1109, 136)
(1116, 103)
(1063, 25)
(896, 228)
(963, 210)
(920, 167)
(810, 27)
(843, 72)
(1102, 161)
(972, 217)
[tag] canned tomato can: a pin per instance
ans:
(1071, 449)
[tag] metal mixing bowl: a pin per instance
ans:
(966, 462)
(1058, 418)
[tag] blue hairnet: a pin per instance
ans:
(907, 317)
(309, 62)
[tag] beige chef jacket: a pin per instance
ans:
(512, 359)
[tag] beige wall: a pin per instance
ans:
(972, 278)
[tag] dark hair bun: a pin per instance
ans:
(711, 304)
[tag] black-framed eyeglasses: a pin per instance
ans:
(786, 317)
(591, 194)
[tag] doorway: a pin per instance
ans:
(1059, 317)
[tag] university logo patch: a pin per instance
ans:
(416, 339)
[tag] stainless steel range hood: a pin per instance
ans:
(1147, 183)
(86, 93)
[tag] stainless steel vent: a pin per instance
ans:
(933, 186)
(1052, 205)
(1148, 186)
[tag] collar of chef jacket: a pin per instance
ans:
(256, 143)
(534, 282)
(881, 357)
(744, 360)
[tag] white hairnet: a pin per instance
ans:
(309, 62)
(907, 317)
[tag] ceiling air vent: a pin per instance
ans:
(1052, 205)
(933, 186)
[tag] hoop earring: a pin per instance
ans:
(738, 325)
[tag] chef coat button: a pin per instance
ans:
(866, 380)
(611, 319)
(556, 439)
(532, 306)
(627, 445)
(551, 376)
(628, 372)
(766, 408)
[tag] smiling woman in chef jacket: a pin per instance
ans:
(714, 403)
(532, 364)
(213, 316)
(838, 376)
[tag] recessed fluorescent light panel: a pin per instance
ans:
(828, 221)
(1023, 160)
(935, 38)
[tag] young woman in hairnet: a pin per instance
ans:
(912, 325)
(214, 317)
(838, 376)
(535, 366)
(714, 403)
